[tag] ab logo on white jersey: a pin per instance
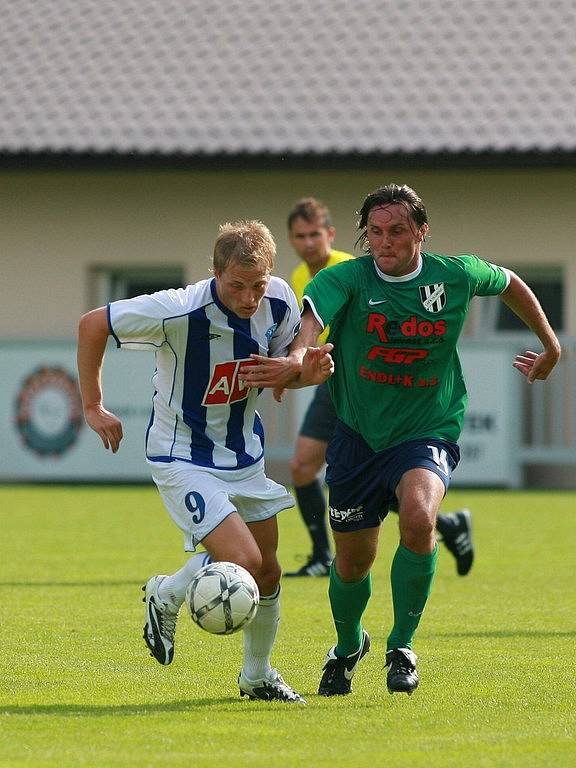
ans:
(225, 387)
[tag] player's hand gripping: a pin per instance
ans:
(280, 372)
(317, 365)
(108, 426)
(536, 366)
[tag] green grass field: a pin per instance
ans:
(496, 648)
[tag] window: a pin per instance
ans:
(113, 283)
(548, 285)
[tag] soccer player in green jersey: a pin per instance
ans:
(311, 234)
(395, 316)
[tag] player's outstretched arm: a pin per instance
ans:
(313, 367)
(522, 301)
(93, 334)
(305, 364)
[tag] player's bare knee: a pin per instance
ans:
(252, 561)
(303, 472)
(350, 570)
(417, 532)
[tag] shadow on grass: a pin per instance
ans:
(508, 633)
(71, 583)
(129, 710)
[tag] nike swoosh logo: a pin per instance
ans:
(373, 303)
(349, 673)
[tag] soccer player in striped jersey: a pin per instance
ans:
(395, 317)
(205, 440)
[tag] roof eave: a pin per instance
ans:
(89, 160)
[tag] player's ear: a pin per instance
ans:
(422, 232)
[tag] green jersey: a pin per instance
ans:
(397, 374)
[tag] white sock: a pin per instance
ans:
(173, 588)
(259, 637)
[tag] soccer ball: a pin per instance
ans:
(222, 598)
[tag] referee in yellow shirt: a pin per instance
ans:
(311, 234)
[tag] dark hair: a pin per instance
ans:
(310, 209)
(388, 195)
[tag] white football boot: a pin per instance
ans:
(160, 623)
(269, 688)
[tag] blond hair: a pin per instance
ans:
(245, 243)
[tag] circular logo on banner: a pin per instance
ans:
(49, 411)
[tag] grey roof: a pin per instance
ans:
(198, 77)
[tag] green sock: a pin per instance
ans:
(411, 576)
(348, 599)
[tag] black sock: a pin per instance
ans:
(312, 505)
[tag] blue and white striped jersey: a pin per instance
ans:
(201, 412)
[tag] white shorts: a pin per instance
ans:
(199, 498)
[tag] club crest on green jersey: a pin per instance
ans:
(433, 296)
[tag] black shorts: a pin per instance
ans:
(362, 482)
(320, 417)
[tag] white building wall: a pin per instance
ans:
(56, 225)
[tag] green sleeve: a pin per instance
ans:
(486, 279)
(329, 291)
